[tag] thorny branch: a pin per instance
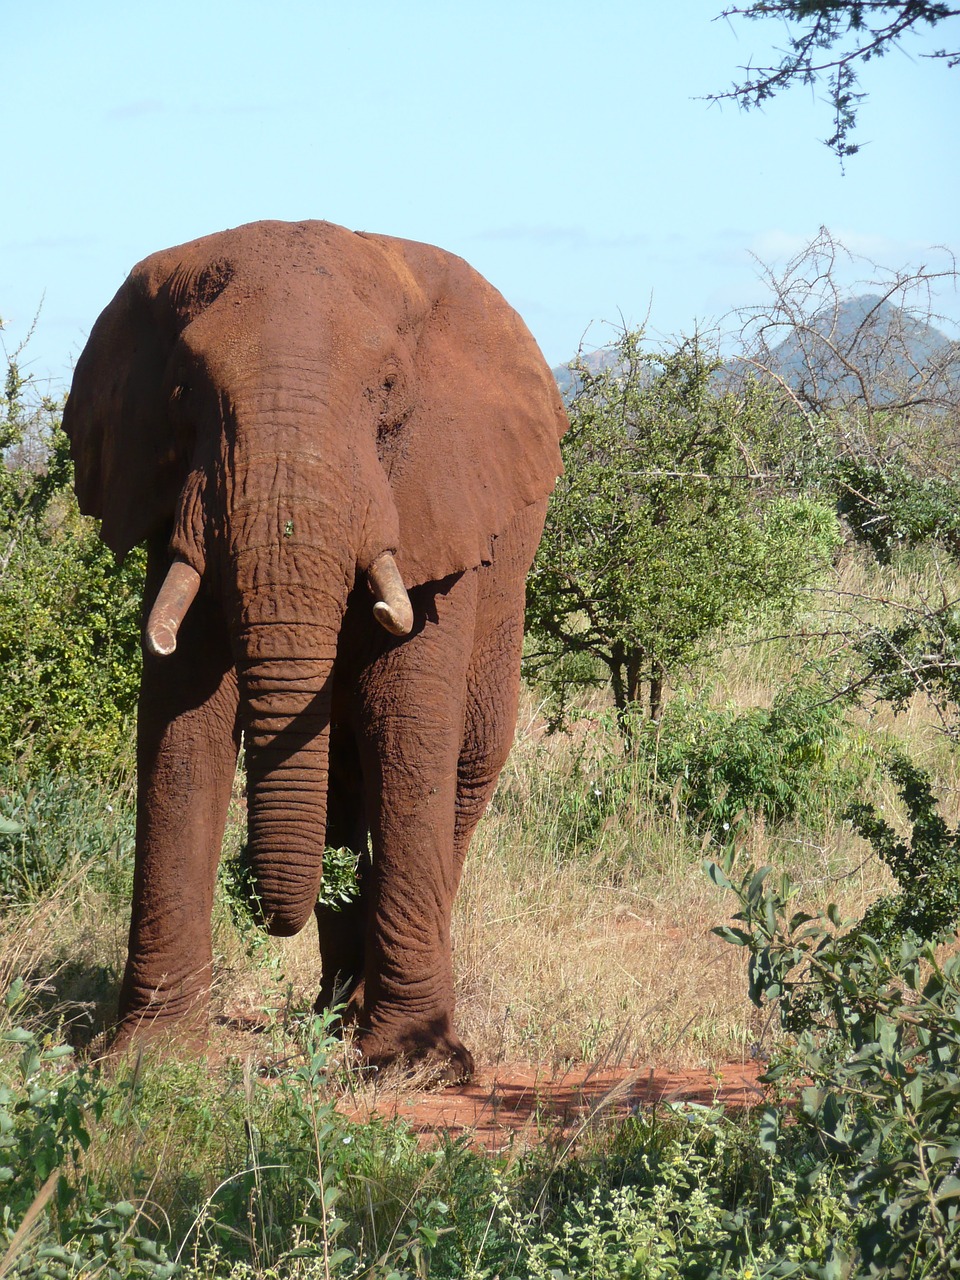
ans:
(810, 54)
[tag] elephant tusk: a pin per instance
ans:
(393, 609)
(177, 594)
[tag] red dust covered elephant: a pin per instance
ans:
(338, 448)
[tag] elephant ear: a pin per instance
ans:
(480, 439)
(126, 470)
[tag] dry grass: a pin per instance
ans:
(609, 950)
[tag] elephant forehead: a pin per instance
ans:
(266, 307)
(281, 269)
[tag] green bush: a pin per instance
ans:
(724, 768)
(69, 616)
(69, 643)
(876, 1061)
(717, 769)
(925, 866)
(890, 506)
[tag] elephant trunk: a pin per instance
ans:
(285, 711)
(284, 603)
(280, 540)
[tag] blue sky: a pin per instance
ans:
(561, 148)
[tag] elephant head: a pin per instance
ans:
(290, 407)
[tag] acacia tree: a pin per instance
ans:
(832, 39)
(669, 527)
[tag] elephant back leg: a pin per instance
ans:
(341, 926)
(493, 676)
(411, 711)
(187, 743)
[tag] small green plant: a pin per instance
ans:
(54, 824)
(688, 1192)
(54, 1224)
(340, 883)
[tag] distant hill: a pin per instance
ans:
(567, 381)
(867, 335)
(863, 346)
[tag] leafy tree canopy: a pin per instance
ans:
(831, 39)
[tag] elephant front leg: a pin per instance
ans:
(413, 706)
(187, 743)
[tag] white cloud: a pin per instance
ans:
(134, 110)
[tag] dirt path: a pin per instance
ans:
(519, 1103)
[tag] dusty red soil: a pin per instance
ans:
(512, 1103)
(518, 1103)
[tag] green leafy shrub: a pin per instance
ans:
(718, 769)
(919, 654)
(69, 643)
(890, 506)
(926, 866)
(725, 768)
(878, 1045)
(69, 616)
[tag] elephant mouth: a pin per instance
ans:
(392, 608)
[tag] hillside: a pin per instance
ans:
(824, 359)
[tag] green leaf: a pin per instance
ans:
(768, 1133)
(738, 937)
(716, 875)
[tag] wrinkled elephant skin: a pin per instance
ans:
(338, 448)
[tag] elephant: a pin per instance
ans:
(338, 448)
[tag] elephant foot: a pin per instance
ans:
(343, 998)
(161, 1037)
(444, 1058)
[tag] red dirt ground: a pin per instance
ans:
(518, 1103)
